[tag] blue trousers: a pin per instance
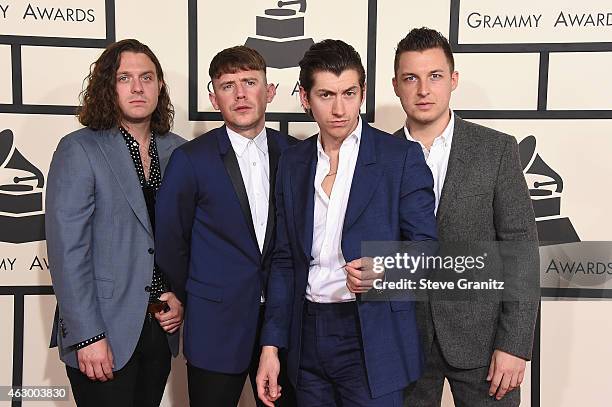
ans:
(332, 370)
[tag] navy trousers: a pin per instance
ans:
(332, 370)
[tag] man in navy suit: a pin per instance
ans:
(348, 184)
(216, 228)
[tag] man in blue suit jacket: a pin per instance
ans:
(350, 183)
(216, 230)
(116, 322)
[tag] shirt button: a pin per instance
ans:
(151, 251)
(148, 289)
(254, 164)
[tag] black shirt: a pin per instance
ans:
(149, 191)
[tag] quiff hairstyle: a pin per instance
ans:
(422, 39)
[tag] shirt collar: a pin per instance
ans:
(240, 143)
(354, 136)
(131, 140)
(446, 136)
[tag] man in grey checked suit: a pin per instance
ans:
(480, 347)
(116, 323)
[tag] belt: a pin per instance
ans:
(346, 308)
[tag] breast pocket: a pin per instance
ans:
(474, 193)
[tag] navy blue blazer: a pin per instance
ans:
(391, 199)
(207, 248)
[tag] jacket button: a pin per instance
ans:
(148, 288)
(151, 251)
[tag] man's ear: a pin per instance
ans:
(364, 92)
(270, 92)
(213, 99)
(304, 99)
(454, 80)
(394, 83)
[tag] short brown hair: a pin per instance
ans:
(422, 39)
(234, 59)
(333, 56)
(99, 109)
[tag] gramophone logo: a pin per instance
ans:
(279, 35)
(545, 187)
(21, 199)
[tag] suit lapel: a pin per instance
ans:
(459, 159)
(233, 171)
(273, 156)
(400, 133)
(118, 157)
(164, 150)
(365, 179)
(302, 186)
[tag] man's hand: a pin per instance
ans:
(96, 361)
(360, 275)
(171, 319)
(268, 389)
(506, 373)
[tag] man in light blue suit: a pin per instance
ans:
(349, 184)
(117, 320)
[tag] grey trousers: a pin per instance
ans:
(469, 387)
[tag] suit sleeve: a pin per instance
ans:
(515, 222)
(417, 199)
(70, 206)
(175, 208)
(279, 301)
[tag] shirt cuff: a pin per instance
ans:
(88, 342)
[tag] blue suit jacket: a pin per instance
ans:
(208, 250)
(391, 199)
(100, 242)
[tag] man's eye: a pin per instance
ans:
(351, 93)
(147, 77)
(325, 95)
(436, 76)
(227, 86)
(410, 78)
(122, 78)
(251, 83)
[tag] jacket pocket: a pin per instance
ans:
(472, 194)
(401, 305)
(105, 288)
(203, 290)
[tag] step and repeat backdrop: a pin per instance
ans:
(536, 70)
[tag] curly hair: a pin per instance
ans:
(99, 108)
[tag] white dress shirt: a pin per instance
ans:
(437, 156)
(252, 155)
(326, 276)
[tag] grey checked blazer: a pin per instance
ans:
(484, 198)
(100, 242)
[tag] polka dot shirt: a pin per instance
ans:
(149, 190)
